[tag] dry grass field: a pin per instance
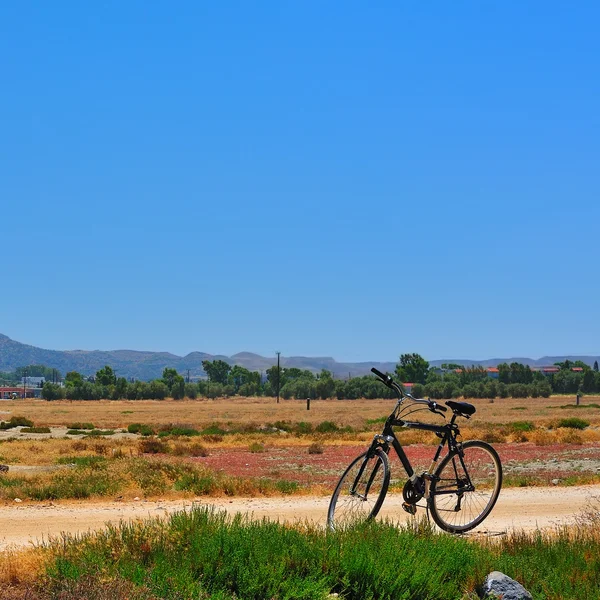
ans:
(256, 446)
(236, 412)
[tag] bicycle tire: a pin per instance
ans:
(349, 507)
(459, 511)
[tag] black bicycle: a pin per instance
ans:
(459, 492)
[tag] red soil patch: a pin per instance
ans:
(296, 464)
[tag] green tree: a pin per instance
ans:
(217, 370)
(504, 373)
(325, 387)
(52, 391)
(174, 382)
(276, 378)
(121, 388)
(73, 379)
(106, 376)
(596, 366)
(158, 390)
(588, 383)
(412, 368)
(239, 376)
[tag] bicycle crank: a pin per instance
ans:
(411, 509)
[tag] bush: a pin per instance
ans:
(522, 426)
(179, 431)
(199, 450)
(418, 390)
(35, 430)
(16, 422)
(326, 427)
(316, 448)
(190, 450)
(256, 448)
(304, 428)
(144, 430)
(573, 423)
(80, 426)
(151, 446)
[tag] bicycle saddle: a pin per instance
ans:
(464, 409)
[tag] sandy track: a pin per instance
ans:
(520, 508)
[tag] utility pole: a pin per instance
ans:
(278, 376)
(188, 377)
(24, 380)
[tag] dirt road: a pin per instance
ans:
(521, 508)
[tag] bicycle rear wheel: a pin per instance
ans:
(465, 487)
(360, 491)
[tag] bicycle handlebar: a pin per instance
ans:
(387, 380)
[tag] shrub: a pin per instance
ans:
(256, 448)
(522, 426)
(80, 426)
(16, 422)
(179, 431)
(493, 436)
(304, 427)
(151, 446)
(213, 430)
(573, 423)
(199, 450)
(140, 428)
(418, 390)
(326, 427)
(316, 448)
(190, 450)
(35, 430)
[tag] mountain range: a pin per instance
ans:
(149, 365)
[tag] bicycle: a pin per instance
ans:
(459, 492)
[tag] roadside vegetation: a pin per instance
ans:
(205, 554)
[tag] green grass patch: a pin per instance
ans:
(80, 426)
(376, 421)
(522, 426)
(205, 554)
(569, 406)
(35, 430)
(573, 423)
(519, 408)
(91, 433)
(179, 431)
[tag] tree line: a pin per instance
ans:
(223, 380)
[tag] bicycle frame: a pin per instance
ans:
(447, 432)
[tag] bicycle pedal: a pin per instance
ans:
(409, 508)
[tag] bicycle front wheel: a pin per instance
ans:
(465, 487)
(360, 492)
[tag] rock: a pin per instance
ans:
(136, 499)
(18, 500)
(498, 585)
(555, 481)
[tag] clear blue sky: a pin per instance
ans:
(348, 179)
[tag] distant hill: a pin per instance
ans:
(150, 365)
